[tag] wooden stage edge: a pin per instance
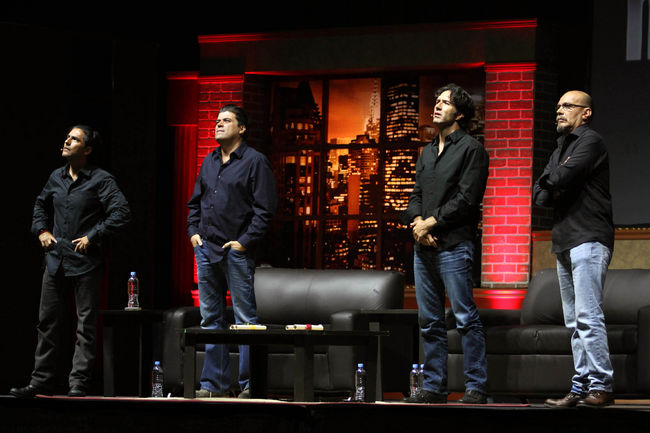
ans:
(126, 415)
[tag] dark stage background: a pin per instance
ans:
(108, 67)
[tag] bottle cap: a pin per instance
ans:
(156, 363)
(133, 273)
(415, 366)
(359, 365)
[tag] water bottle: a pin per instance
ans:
(133, 290)
(157, 380)
(414, 380)
(360, 383)
(421, 376)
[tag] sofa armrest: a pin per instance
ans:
(643, 348)
(174, 322)
(348, 320)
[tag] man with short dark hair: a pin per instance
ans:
(444, 211)
(230, 210)
(575, 183)
(78, 208)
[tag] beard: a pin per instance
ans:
(562, 128)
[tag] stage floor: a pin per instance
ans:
(125, 415)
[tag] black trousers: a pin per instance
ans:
(53, 307)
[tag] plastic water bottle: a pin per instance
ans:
(414, 380)
(133, 290)
(157, 380)
(360, 383)
(421, 376)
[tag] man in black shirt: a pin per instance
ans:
(575, 183)
(231, 208)
(444, 211)
(79, 206)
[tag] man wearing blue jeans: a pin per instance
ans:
(443, 211)
(575, 183)
(230, 210)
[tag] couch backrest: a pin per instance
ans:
(542, 304)
(626, 290)
(286, 296)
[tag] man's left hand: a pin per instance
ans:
(234, 245)
(81, 244)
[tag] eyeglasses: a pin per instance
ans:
(569, 107)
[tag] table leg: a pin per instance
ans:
(189, 371)
(371, 369)
(303, 385)
(109, 362)
(258, 370)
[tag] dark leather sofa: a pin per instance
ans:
(334, 298)
(529, 351)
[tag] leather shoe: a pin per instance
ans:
(424, 396)
(245, 393)
(29, 391)
(473, 397)
(569, 400)
(597, 398)
(77, 391)
(204, 393)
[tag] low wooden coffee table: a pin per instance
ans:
(303, 343)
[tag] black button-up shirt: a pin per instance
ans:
(234, 201)
(91, 206)
(450, 187)
(575, 183)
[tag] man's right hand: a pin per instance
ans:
(47, 240)
(196, 241)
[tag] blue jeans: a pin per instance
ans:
(450, 271)
(235, 272)
(581, 272)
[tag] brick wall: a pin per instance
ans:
(214, 93)
(509, 107)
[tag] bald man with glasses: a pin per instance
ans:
(575, 183)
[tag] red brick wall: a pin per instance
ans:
(214, 93)
(509, 128)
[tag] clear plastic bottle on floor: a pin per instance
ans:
(360, 383)
(157, 380)
(421, 376)
(414, 380)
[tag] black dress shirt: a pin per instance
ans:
(234, 201)
(450, 187)
(575, 183)
(91, 206)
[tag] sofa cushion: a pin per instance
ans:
(286, 296)
(625, 292)
(545, 339)
(543, 305)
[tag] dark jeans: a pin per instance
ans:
(53, 307)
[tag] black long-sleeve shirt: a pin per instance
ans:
(575, 183)
(450, 187)
(234, 201)
(91, 206)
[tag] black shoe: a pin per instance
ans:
(424, 396)
(77, 391)
(29, 391)
(473, 397)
